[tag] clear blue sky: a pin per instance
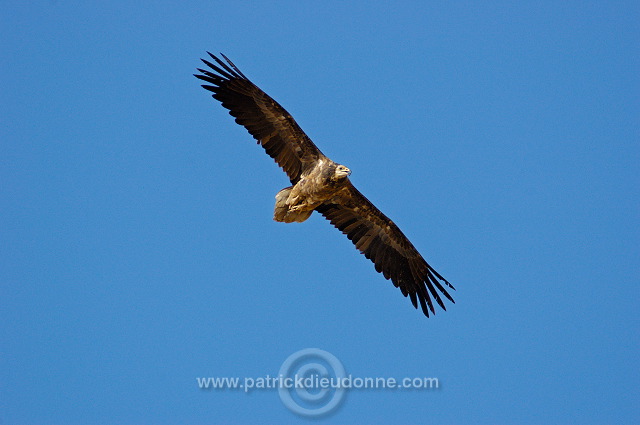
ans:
(138, 250)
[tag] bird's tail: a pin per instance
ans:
(282, 213)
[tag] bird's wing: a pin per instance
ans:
(268, 122)
(381, 241)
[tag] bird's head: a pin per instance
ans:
(341, 173)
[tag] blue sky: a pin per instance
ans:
(138, 249)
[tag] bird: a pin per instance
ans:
(322, 185)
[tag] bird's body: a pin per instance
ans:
(320, 184)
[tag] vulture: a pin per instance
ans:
(322, 185)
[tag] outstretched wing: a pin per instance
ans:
(381, 241)
(268, 122)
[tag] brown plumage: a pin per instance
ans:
(319, 184)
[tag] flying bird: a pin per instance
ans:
(319, 184)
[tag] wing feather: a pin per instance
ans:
(268, 122)
(392, 254)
